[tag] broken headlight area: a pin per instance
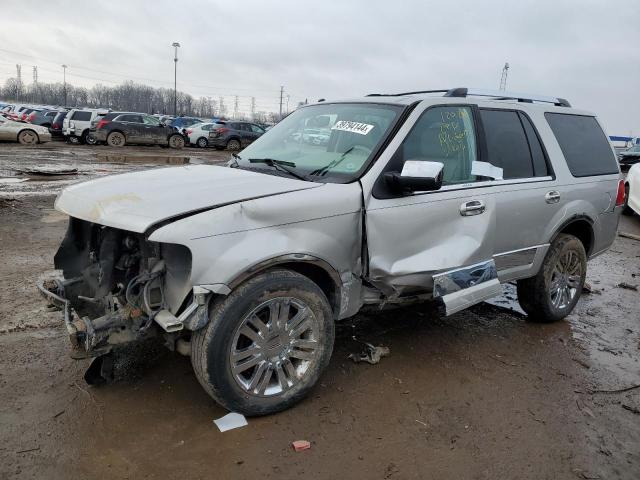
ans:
(115, 284)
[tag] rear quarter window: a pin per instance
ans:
(584, 145)
(82, 116)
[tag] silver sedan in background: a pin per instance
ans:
(24, 133)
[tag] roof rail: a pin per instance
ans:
(501, 95)
(475, 92)
(406, 93)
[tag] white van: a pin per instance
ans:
(76, 124)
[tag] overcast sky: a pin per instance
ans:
(585, 51)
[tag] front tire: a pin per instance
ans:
(202, 142)
(553, 293)
(28, 137)
(116, 139)
(176, 141)
(266, 343)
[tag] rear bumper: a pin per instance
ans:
(44, 137)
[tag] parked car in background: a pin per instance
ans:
(246, 268)
(234, 135)
(23, 133)
(56, 124)
(120, 128)
(44, 118)
(629, 157)
(632, 191)
(180, 123)
(198, 134)
(77, 124)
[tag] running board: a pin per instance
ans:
(456, 301)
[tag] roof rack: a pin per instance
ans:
(494, 94)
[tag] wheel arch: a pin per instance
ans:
(317, 270)
(28, 130)
(581, 227)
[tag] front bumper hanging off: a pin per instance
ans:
(98, 336)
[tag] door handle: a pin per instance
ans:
(474, 207)
(552, 197)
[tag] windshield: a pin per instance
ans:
(324, 143)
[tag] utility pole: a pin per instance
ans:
(175, 46)
(503, 78)
(288, 98)
(281, 94)
(64, 83)
(235, 107)
(253, 108)
(35, 83)
(222, 109)
(19, 86)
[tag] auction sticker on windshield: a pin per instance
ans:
(353, 127)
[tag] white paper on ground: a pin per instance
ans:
(485, 169)
(230, 421)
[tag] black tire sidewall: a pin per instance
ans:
(224, 319)
(534, 292)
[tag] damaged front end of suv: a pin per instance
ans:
(118, 287)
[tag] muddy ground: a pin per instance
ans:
(479, 395)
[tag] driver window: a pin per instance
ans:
(148, 120)
(445, 135)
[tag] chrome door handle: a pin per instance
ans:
(552, 197)
(474, 207)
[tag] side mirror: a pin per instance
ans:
(416, 176)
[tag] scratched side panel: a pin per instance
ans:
(412, 238)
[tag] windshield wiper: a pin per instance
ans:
(323, 170)
(281, 165)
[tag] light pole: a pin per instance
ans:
(64, 83)
(175, 46)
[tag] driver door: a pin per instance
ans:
(441, 241)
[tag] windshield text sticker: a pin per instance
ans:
(353, 127)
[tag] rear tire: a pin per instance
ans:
(202, 142)
(28, 137)
(91, 139)
(116, 139)
(266, 343)
(553, 293)
(233, 145)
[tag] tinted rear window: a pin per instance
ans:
(82, 116)
(507, 143)
(583, 143)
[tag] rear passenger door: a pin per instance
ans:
(526, 196)
(133, 128)
(154, 130)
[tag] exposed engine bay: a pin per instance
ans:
(117, 287)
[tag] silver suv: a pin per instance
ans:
(437, 196)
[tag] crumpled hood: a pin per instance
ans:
(136, 201)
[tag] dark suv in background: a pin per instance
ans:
(120, 128)
(234, 135)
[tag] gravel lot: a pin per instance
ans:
(481, 394)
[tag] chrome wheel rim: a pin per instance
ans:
(116, 139)
(274, 347)
(565, 279)
(28, 138)
(233, 145)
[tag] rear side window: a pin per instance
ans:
(129, 118)
(507, 143)
(540, 165)
(81, 116)
(583, 143)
